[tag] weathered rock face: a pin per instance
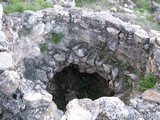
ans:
(101, 109)
(94, 41)
(21, 98)
(83, 31)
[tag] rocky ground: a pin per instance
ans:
(87, 60)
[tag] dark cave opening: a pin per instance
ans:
(70, 83)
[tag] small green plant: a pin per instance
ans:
(149, 17)
(126, 79)
(124, 65)
(26, 30)
(147, 81)
(143, 5)
(55, 37)
(43, 47)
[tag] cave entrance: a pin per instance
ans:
(70, 83)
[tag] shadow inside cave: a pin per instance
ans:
(70, 83)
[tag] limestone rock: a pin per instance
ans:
(32, 20)
(9, 82)
(151, 95)
(6, 61)
(48, 28)
(41, 75)
(157, 57)
(38, 29)
(148, 110)
(105, 108)
(114, 72)
(133, 76)
(81, 52)
(3, 42)
(107, 68)
(49, 113)
(113, 31)
(13, 105)
(60, 57)
(141, 35)
(34, 97)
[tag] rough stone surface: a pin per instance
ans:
(34, 96)
(146, 109)
(9, 82)
(5, 56)
(103, 108)
(151, 95)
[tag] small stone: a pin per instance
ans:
(141, 36)
(6, 61)
(158, 87)
(107, 68)
(35, 51)
(71, 58)
(9, 82)
(133, 102)
(151, 95)
(32, 97)
(48, 28)
(113, 31)
(98, 63)
(41, 75)
(80, 52)
(37, 99)
(157, 57)
(114, 72)
(133, 76)
(32, 20)
(90, 70)
(114, 9)
(60, 57)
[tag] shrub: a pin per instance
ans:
(147, 81)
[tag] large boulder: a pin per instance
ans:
(34, 94)
(105, 108)
(9, 82)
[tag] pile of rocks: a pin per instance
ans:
(94, 41)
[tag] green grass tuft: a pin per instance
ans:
(147, 81)
(55, 37)
(22, 5)
(26, 30)
(43, 47)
